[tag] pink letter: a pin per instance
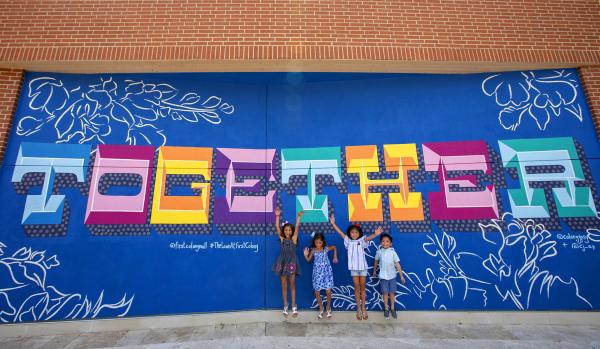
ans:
(460, 156)
(239, 208)
(118, 209)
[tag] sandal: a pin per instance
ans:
(358, 314)
(295, 311)
(365, 316)
(329, 315)
(285, 311)
(320, 316)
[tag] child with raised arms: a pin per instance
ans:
(356, 243)
(287, 266)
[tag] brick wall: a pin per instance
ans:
(590, 79)
(541, 24)
(10, 85)
(422, 30)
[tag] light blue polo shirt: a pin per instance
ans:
(387, 258)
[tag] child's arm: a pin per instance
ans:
(376, 234)
(308, 254)
(295, 233)
(334, 249)
(335, 227)
(277, 227)
(375, 265)
(399, 269)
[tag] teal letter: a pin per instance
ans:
(528, 202)
(311, 162)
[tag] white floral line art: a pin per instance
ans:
(539, 95)
(125, 113)
(512, 272)
(26, 295)
(593, 234)
(521, 281)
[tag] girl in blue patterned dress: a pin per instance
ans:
(322, 277)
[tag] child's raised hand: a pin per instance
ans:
(379, 230)
(332, 219)
(300, 214)
(277, 212)
(306, 252)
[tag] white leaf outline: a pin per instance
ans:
(74, 123)
(541, 114)
(48, 301)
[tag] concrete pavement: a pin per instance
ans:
(324, 334)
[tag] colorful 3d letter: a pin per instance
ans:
(401, 158)
(181, 209)
(50, 159)
(120, 209)
(528, 202)
(460, 156)
(311, 162)
(245, 209)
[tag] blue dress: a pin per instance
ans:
(322, 277)
(287, 262)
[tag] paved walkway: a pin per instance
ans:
(326, 335)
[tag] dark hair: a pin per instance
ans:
(357, 227)
(282, 232)
(385, 235)
(317, 236)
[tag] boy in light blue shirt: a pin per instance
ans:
(389, 264)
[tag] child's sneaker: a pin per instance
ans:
(394, 315)
(386, 313)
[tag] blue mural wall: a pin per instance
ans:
(146, 194)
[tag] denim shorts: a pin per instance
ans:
(388, 286)
(364, 272)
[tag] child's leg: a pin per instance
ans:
(363, 291)
(328, 293)
(363, 295)
(293, 289)
(318, 296)
(392, 291)
(356, 281)
(385, 301)
(284, 290)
